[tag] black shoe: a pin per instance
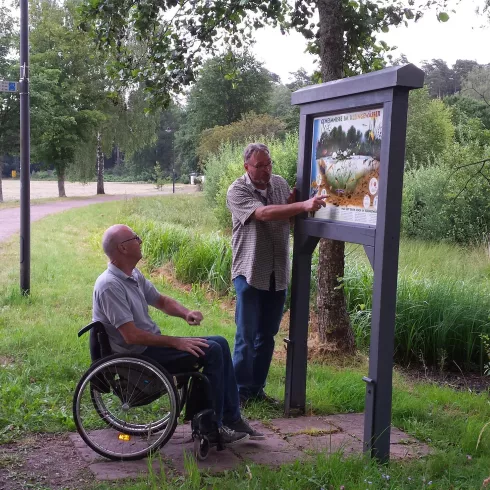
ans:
(243, 401)
(228, 436)
(243, 425)
(263, 397)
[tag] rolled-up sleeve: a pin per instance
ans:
(113, 302)
(241, 202)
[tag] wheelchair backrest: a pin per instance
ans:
(98, 342)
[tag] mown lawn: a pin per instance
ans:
(42, 360)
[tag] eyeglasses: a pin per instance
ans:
(135, 237)
(266, 165)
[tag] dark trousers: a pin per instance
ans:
(257, 316)
(217, 367)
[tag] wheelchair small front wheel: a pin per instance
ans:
(201, 447)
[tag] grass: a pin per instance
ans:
(443, 302)
(443, 290)
(42, 360)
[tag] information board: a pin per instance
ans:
(345, 160)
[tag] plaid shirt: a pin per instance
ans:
(259, 247)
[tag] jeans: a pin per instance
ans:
(217, 367)
(257, 316)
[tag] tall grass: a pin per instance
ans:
(196, 258)
(439, 320)
(443, 298)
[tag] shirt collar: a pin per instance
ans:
(118, 272)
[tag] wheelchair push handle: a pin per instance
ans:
(89, 327)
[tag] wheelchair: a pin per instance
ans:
(126, 407)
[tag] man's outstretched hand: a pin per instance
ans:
(194, 318)
(193, 345)
(314, 204)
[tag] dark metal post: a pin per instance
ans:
(25, 193)
(171, 132)
(377, 423)
(297, 347)
(297, 343)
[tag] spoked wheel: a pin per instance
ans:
(201, 447)
(125, 407)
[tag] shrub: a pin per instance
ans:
(446, 202)
(250, 127)
(429, 128)
(226, 165)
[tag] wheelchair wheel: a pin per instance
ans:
(126, 407)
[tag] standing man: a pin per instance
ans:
(261, 204)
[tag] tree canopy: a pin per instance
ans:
(162, 44)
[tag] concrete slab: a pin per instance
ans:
(304, 425)
(287, 440)
(216, 462)
(118, 470)
(326, 443)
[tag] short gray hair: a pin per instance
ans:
(253, 148)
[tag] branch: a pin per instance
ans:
(478, 93)
(479, 171)
(473, 163)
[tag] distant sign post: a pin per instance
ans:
(351, 150)
(8, 86)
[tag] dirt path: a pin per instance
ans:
(10, 217)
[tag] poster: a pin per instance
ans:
(345, 165)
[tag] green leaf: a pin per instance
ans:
(385, 28)
(442, 17)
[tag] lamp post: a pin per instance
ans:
(25, 171)
(170, 131)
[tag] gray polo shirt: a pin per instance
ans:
(119, 299)
(259, 247)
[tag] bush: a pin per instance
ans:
(430, 130)
(446, 202)
(226, 166)
(250, 127)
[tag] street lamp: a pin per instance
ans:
(25, 172)
(170, 130)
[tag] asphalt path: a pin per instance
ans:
(10, 217)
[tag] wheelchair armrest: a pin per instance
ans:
(89, 327)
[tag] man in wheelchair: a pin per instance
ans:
(120, 301)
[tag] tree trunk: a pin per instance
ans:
(118, 156)
(100, 166)
(61, 182)
(1, 169)
(333, 320)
